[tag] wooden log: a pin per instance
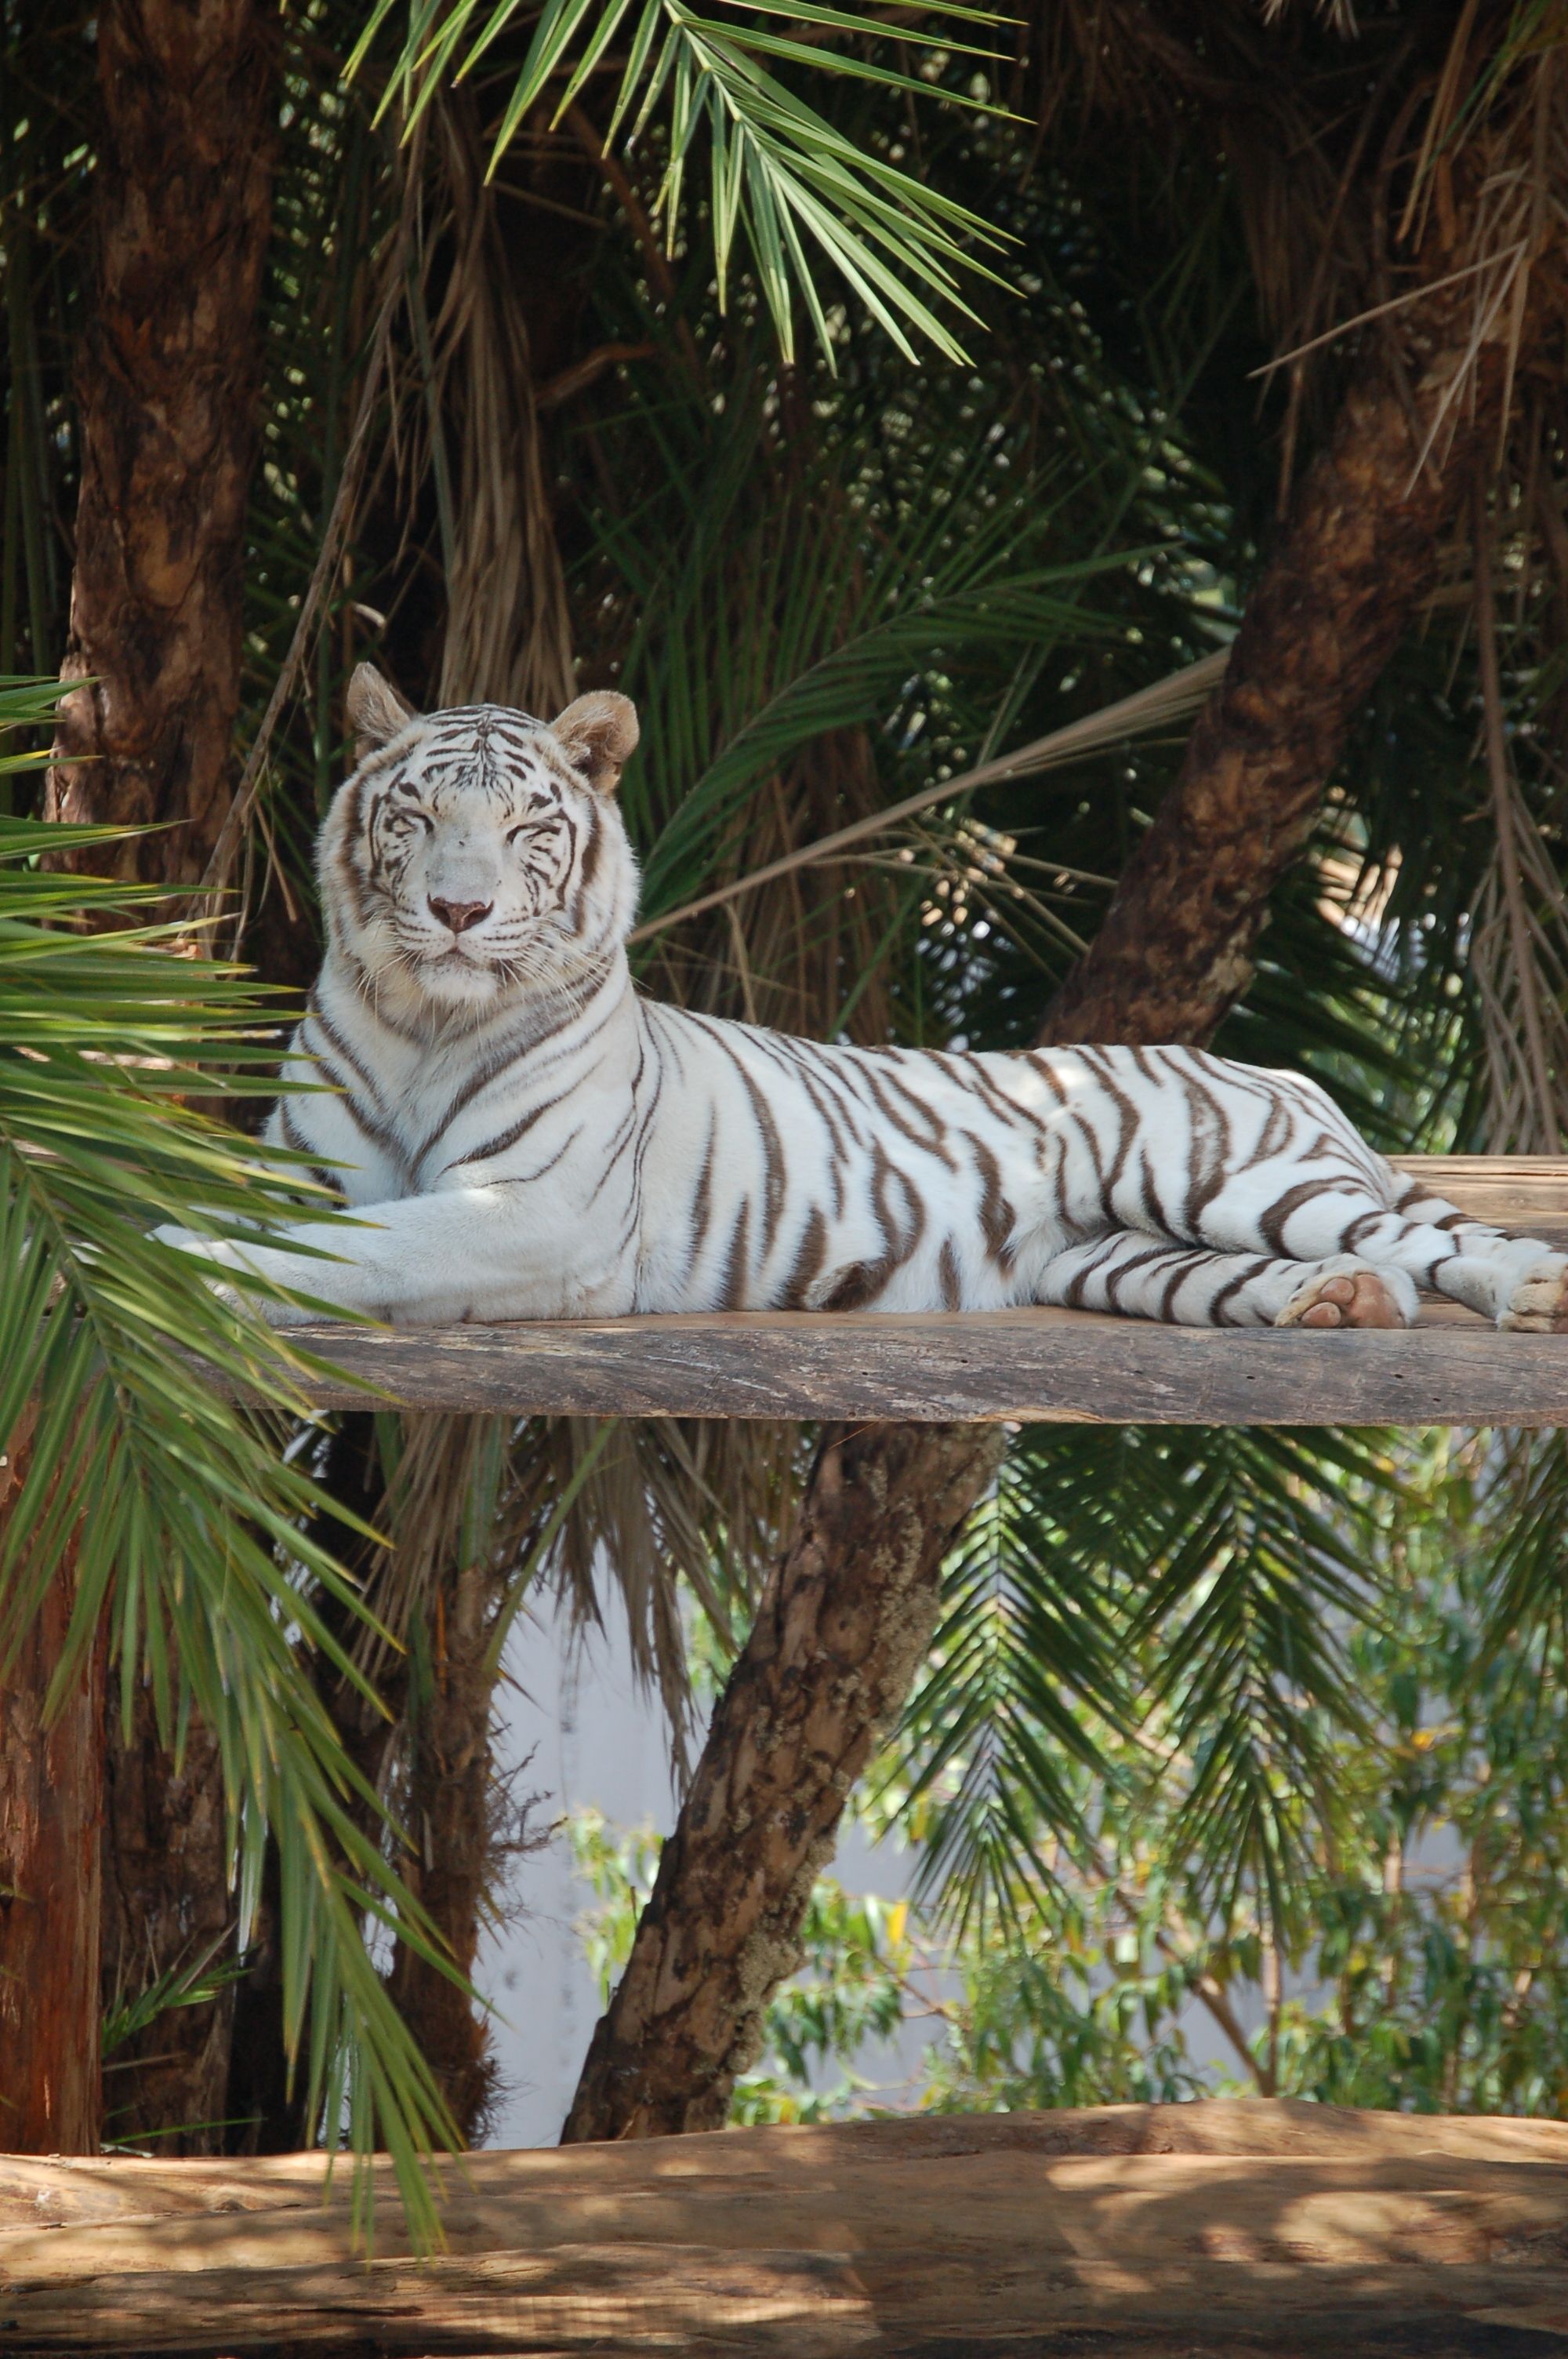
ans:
(1228, 2227)
(1032, 1366)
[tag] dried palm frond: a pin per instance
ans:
(1371, 158)
(665, 1504)
(1518, 951)
(1518, 961)
(508, 635)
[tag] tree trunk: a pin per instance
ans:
(1175, 951)
(448, 1807)
(842, 1627)
(51, 1806)
(720, 1930)
(167, 387)
(167, 1905)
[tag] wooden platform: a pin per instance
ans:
(1132, 2232)
(1035, 1366)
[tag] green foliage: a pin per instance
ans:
(1184, 1588)
(1424, 1964)
(784, 173)
(190, 1537)
(195, 1980)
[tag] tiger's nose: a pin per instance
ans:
(459, 915)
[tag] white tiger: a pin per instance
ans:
(525, 1136)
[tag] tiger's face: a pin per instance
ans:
(477, 854)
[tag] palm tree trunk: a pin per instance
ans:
(842, 1629)
(167, 1905)
(52, 1800)
(166, 389)
(448, 1807)
(797, 1721)
(1176, 949)
(166, 382)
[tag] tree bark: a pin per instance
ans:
(1176, 949)
(450, 1808)
(167, 1903)
(720, 1930)
(167, 387)
(842, 1627)
(51, 1805)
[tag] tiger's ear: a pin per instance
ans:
(376, 712)
(600, 735)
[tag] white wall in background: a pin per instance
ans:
(598, 1739)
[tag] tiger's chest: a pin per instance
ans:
(399, 1132)
(396, 1116)
(536, 1095)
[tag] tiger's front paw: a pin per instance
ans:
(1538, 1300)
(1352, 1294)
(218, 1250)
(185, 1239)
(223, 1253)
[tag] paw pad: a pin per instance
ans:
(1347, 1298)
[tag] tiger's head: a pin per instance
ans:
(475, 856)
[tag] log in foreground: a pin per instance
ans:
(1240, 2226)
(1032, 1366)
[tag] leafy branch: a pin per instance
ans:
(186, 1524)
(779, 170)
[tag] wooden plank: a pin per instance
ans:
(1515, 1192)
(1156, 2230)
(1032, 1366)
(1035, 1366)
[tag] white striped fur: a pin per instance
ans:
(528, 1137)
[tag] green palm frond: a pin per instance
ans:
(185, 1522)
(1024, 1679)
(784, 173)
(1255, 1588)
(1179, 1599)
(853, 684)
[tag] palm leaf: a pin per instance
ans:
(785, 171)
(190, 1526)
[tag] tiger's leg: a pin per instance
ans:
(1189, 1285)
(457, 1254)
(1518, 1281)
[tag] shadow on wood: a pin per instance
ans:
(1220, 2227)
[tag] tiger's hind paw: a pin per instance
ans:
(1537, 1301)
(1352, 1295)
